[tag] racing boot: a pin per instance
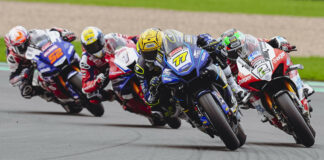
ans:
(108, 95)
(308, 90)
(171, 116)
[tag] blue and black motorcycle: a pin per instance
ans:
(57, 72)
(201, 90)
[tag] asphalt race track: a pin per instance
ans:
(34, 129)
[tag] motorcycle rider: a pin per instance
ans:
(93, 66)
(150, 65)
(229, 46)
(17, 41)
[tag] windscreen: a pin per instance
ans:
(251, 51)
(172, 39)
(39, 39)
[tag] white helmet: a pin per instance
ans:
(92, 41)
(19, 39)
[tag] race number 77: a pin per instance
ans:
(180, 58)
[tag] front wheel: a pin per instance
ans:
(156, 122)
(72, 108)
(300, 127)
(241, 135)
(174, 123)
(218, 120)
(96, 109)
(156, 119)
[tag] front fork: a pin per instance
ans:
(272, 113)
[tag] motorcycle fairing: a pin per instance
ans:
(50, 59)
(182, 61)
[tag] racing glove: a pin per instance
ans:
(282, 43)
(152, 97)
(207, 42)
(155, 82)
(100, 80)
(65, 34)
(68, 36)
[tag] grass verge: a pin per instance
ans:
(274, 7)
(314, 68)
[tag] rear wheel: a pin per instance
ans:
(300, 127)
(218, 120)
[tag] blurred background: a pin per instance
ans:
(300, 21)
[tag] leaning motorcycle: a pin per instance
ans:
(276, 89)
(201, 91)
(126, 85)
(57, 71)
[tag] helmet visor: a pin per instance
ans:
(21, 49)
(93, 48)
(149, 56)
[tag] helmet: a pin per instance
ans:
(113, 42)
(92, 41)
(233, 40)
(19, 39)
(149, 42)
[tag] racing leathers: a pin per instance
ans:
(95, 70)
(149, 73)
(21, 68)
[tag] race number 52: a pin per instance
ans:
(55, 55)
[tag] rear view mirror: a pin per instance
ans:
(294, 67)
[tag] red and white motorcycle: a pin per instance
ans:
(275, 89)
(127, 88)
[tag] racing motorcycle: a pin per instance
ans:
(275, 89)
(200, 90)
(57, 71)
(126, 86)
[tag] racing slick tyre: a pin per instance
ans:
(156, 119)
(174, 123)
(72, 108)
(218, 120)
(295, 119)
(96, 109)
(156, 122)
(312, 130)
(241, 136)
